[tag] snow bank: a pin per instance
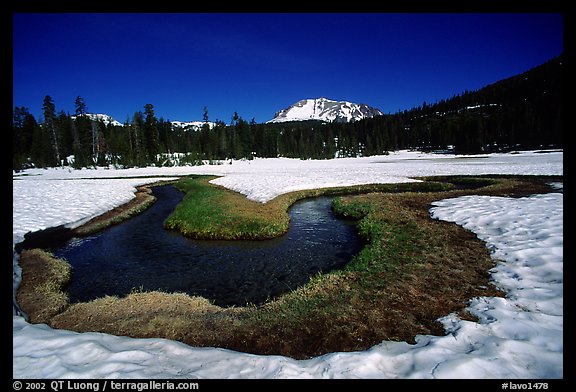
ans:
(524, 331)
(519, 336)
(263, 179)
(40, 204)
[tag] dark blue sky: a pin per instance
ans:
(257, 64)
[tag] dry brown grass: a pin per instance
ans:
(435, 274)
(41, 293)
(152, 314)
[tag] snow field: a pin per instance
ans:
(272, 177)
(38, 205)
(526, 234)
(519, 336)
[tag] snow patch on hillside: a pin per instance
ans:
(192, 125)
(106, 119)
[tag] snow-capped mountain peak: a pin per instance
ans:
(325, 109)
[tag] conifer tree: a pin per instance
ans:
(65, 136)
(49, 110)
(83, 136)
(23, 128)
(151, 133)
(139, 155)
(80, 106)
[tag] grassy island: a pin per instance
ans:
(212, 212)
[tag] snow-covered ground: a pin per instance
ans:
(263, 179)
(519, 336)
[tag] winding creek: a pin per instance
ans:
(139, 254)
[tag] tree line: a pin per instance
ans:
(522, 112)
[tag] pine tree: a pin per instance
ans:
(64, 125)
(151, 133)
(139, 155)
(23, 128)
(80, 106)
(94, 132)
(49, 110)
(41, 151)
(83, 136)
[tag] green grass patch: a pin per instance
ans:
(208, 211)
(211, 212)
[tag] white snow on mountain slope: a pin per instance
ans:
(324, 109)
(519, 336)
(102, 117)
(108, 120)
(192, 125)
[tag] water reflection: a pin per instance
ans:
(140, 254)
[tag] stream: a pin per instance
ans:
(139, 254)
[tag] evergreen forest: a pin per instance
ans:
(521, 112)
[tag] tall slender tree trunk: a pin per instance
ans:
(95, 147)
(55, 143)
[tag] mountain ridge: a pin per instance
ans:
(324, 109)
(109, 120)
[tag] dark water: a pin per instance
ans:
(141, 254)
